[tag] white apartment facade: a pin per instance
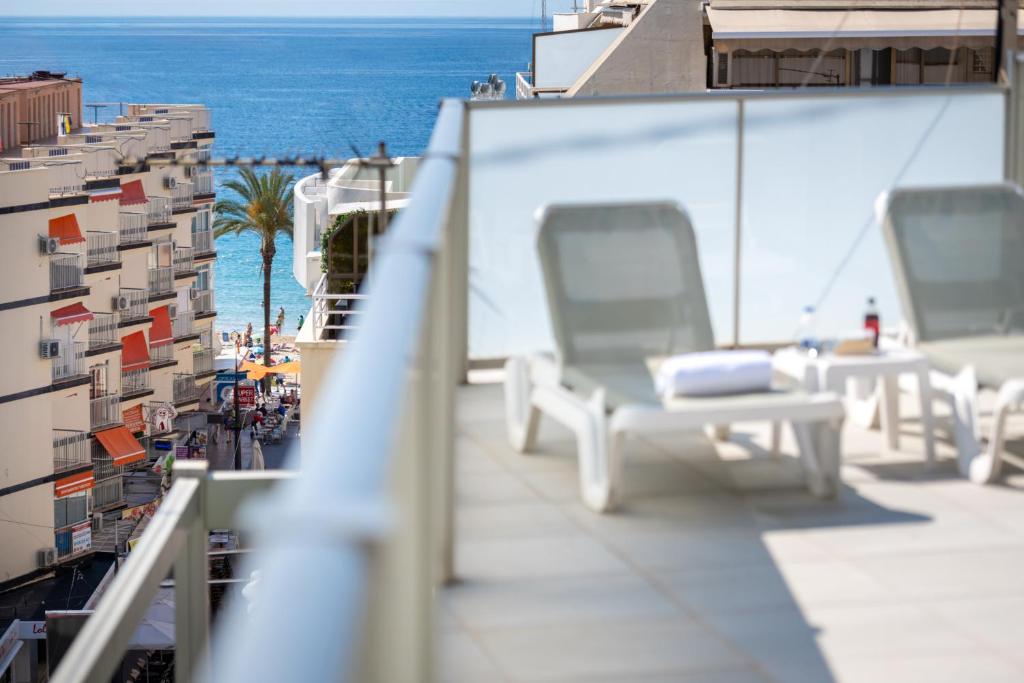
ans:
(106, 299)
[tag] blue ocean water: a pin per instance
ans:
(276, 87)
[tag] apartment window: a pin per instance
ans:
(723, 68)
(201, 221)
(162, 255)
(202, 277)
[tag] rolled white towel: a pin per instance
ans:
(715, 373)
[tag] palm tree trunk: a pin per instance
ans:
(268, 262)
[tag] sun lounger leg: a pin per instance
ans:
(964, 405)
(819, 452)
(522, 418)
(985, 468)
(775, 449)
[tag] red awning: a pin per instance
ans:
(75, 313)
(121, 445)
(65, 228)
(76, 483)
(134, 351)
(160, 331)
(133, 193)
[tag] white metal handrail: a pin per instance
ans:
(185, 388)
(161, 353)
(138, 303)
(203, 301)
(202, 182)
(184, 324)
(134, 381)
(334, 311)
(161, 280)
(104, 411)
(183, 260)
(101, 247)
(102, 330)
(158, 210)
(70, 449)
(202, 361)
(70, 362)
(202, 241)
(108, 492)
(65, 271)
(181, 196)
(132, 227)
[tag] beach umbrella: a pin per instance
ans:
(257, 457)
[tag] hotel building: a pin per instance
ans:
(106, 298)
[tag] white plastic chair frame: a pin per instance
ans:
(946, 207)
(533, 383)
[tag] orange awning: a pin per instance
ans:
(75, 313)
(121, 445)
(83, 481)
(133, 193)
(160, 332)
(134, 352)
(65, 228)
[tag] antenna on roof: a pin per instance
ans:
(543, 14)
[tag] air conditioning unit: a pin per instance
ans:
(170, 182)
(46, 557)
(193, 294)
(172, 310)
(97, 522)
(49, 348)
(48, 245)
(120, 303)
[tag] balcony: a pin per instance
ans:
(183, 261)
(335, 316)
(181, 196)
(70, 449)
(185, 389)
(138, 304)
(158, 211)
(66, 272)
(203, 302)
(705, 572)
(104, 411)
(108, 493)
(184, 324)
(161, 354)
(134, 382)
(70, 363)
(70, 515)
(161, 280)
(132, 227)
(202, 361)
(103, 331)
(101, 248)
(202, 182)
(202, 242)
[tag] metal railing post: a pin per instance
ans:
(191, 593)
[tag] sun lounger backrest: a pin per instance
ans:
(623, 282)
(958, 258)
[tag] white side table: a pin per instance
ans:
(830, 373)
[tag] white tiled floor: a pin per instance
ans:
(719, 568)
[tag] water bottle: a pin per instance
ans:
(806, 335)
(871, 321)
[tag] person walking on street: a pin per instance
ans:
(280, 321)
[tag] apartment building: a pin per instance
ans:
(650, 46)
(107, 306)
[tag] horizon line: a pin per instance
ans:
(264, 16)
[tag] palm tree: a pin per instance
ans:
(263, 207)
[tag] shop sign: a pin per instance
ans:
(81, 537)
(134, 420)
(32, 630)
(149, 509)
(161, 418)
(246, 397)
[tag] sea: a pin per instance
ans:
(276, 87)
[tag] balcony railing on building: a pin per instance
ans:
(183, 324)
(202, 361)
(202, 241)
(103, 330)
(202, 301)
(161, 353)
(68, 513)
(181, 196)
(134, 381)
(161, 280)
(71, 361)
(132, 227)
(70, 449)
(334, 315)
(202, 182)
(183, 260)
(101, 248)
(185, 388)
(65, 271)
(158, 211)
(137, 301)
(104, 411)
(108, 492)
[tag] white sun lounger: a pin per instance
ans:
(624, 287)
(958, 258)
